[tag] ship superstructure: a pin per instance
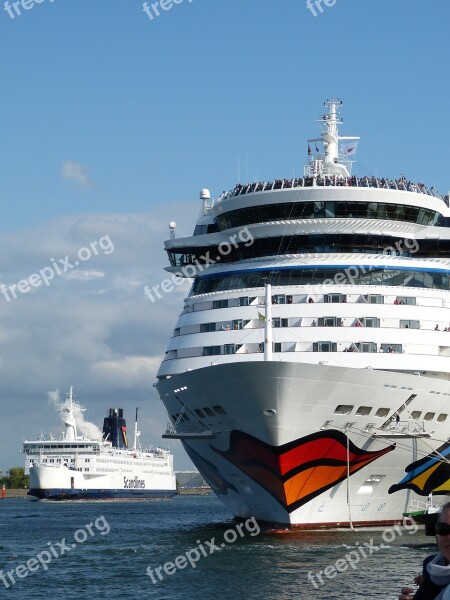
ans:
(310, 366)
(74, 467)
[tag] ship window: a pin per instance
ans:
(220, 304)
(220, 410)
(392, 348)
(211, 350)
(229, 349)
(364, 410)
(334, 298)
(405, 324)
(208, 411)
(206, 327)
(199, 413)
(416, 414)
(279, 299)
(243, 301)
(370, 322)
(329, 322)
(382, 412)
(366, 346)
(238, 324)
(407, 300)
(277, 347)
(176, 331)
(343, 409)
(429, 416)
(442, 417)
(374, 299)
(324, 347)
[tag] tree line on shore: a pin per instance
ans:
(15, 478)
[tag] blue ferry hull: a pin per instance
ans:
(78, 494)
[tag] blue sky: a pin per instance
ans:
(111, 123)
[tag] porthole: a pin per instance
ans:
(269, 412)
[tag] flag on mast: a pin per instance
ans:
(349, 149)
(309, 150)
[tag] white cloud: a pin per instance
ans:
(76, 172)
(85, 274)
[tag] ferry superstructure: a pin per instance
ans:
(308, 376)
(76, 468)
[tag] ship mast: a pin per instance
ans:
(332, 161)
(268, 352)
(136, 432)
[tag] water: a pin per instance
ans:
(269, 566)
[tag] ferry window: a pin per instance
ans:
(220, 410)
(324, 347)
(211, 350)
(364, 410)
(243, 301)
(220, 304)
(277, 347)
(279, 299)
(416, 414)
(199, 413)
(442, 417)
(276, 322)
(405, 324)
(208, 411)
(407, 300)
(176, 331)
(374, 299)
(238, 324)
(284, 323)
(206, 327)
(343, 409)
(429, 416)
(289, 299)
(229, 349)
(382, 412)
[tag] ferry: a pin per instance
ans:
(308, 374)
(77, 468)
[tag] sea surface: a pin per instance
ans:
(96, 550)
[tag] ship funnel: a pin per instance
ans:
(115, 428)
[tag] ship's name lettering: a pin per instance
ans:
(133, 484)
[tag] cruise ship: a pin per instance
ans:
(308, 375)
(77, 468)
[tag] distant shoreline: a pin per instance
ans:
(12, 493)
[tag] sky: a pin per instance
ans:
(112, 120)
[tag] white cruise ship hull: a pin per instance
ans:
(283, 453)
(62, 483)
